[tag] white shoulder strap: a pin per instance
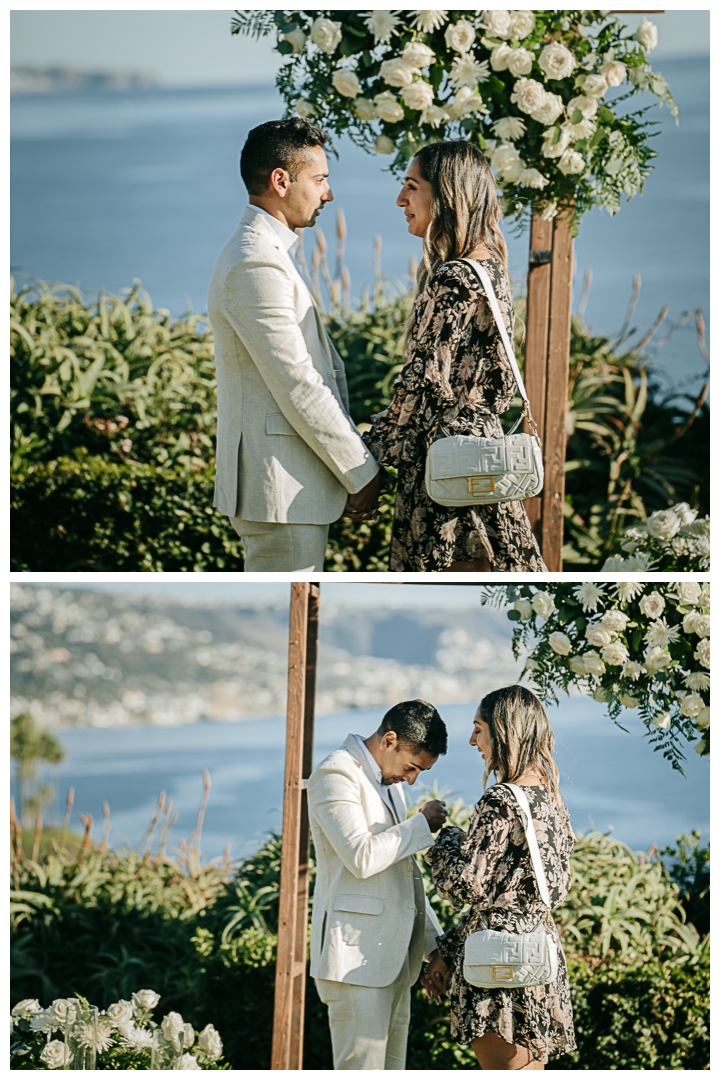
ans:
(495, 308)
(532, 842)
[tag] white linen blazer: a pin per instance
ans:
(287, 450)
(369, 903)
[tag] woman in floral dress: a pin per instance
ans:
(456, 372)
(490, 869)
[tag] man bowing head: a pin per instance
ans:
(372, 925)
(289, 457)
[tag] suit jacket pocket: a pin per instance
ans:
(276, 424)
(361, 905)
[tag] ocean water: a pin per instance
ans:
(110, 187)
(609, 778)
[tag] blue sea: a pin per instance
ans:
(110, 187)
(610, 778)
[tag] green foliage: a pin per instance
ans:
(204, 936)
(28, 746)
(690, 869)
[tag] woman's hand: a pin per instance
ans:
(436, 977)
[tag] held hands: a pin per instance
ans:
(436, 978)
(436, 814)
(363, 505)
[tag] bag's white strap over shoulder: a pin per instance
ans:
(532, 842)
(495, 308)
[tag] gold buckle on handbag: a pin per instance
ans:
(502, 971)
(481, 485)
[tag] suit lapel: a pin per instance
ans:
(397, 797)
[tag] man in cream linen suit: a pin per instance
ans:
(372, 925)
(289, 457)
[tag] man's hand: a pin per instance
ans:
(436, 814)
(436, 977)
(363, 505)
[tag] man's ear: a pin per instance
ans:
(389, 740)
(279, 183)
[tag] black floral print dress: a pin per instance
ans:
(456, 372)
(491, 870)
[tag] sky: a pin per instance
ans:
(195, 48)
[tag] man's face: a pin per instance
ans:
(307, 194)
(398, 761)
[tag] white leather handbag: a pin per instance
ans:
(497, 958)
(465, 470)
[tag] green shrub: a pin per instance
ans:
(105, 923)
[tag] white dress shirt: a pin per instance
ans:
(289, 240)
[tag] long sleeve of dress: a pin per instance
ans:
(467, 869)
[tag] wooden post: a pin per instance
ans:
(547, 358)
(287, 1045)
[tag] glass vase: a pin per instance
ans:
(166, 1053)
(81, 1022)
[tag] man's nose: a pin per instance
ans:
(410, 778)
(328, 196)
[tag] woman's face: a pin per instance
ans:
(481, 737)
(416, 200)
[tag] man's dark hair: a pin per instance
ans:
(419, 724)
(279, 144)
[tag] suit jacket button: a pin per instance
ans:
(411, 906)
(334, 374)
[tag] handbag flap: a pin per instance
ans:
(466, 455)
(492, 947)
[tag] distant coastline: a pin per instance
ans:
(57, 79)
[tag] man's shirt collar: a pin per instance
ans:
(286, 236)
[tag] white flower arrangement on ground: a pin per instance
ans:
(671, 539)
(543, 82)
(124, 1035)
(627, 644)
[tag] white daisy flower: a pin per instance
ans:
(468, 72)
(589, 595)
(660, 634)
(427, 21)
(628, 590)
(381, 25)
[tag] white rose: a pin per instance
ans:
(499, 56)
(528, 95)
(615, 620)
(187, 1061)
(297, 39)
(653, 605)
(346, 83)
(585, 105)
(388, 107)
(418, 96)
(60, 1007)
(691, 704)
(614, 653)
(326, 34)
(549, 110)
(683, 511)
(705, 594)
(663, 524)
(396, 72)
(628, 702)
(210, 1042)
(600, 694)
(27, 1007)
(555, 149)
(434, 115)
(172, 1025)
(599, 635)
(364, 109)
(661, 720)
(656, 659)
(543, 604)
(497, 23)
(509, 128)
(595, 86)
(646, 34)
(557, 61)
(459, 36)
(44, 1021)
(418, 55)
(583, 130)
(145, 999)
(702, 720)
(614, 73)
(525, 608)
(701, 626)
(54, 1055)
(532, 178)
(510, 165)
(594, 665)
(121, 1012)
(305, 108)
(632, 670)
(571, 163)
(560, 643)
(522, 23)
(383, 145)
(577, 664)
(702, 653)
(520, 62)
(638, 75)
(688, 592)
(464, 103)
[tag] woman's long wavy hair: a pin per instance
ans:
(520, 737)
(465, 209)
